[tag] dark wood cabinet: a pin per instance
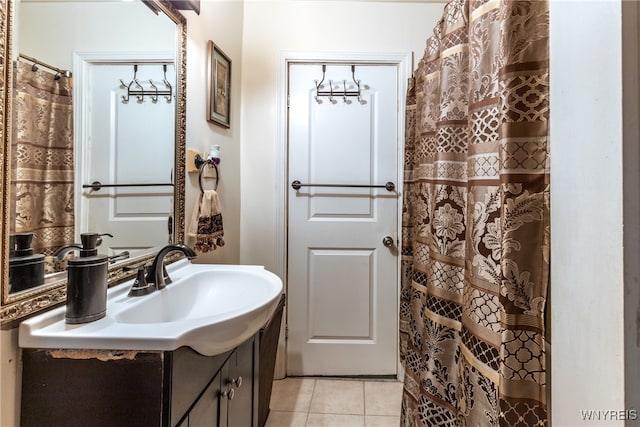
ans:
(230, 399)
(140, 388)
(241, 377)
(206, 410)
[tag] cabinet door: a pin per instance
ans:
(70, 387)
(241, 411)
(206, 412)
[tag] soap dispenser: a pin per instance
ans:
(26, 269)
(87, 283)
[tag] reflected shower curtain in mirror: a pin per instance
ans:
(42, 156)
(475, 255)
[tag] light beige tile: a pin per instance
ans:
(286, 419)
(382, 398)
(338, 397)
(381, 421)
(292, 394)
(335, 420)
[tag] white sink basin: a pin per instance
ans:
(210, 308)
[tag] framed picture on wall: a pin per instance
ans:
(219, 86)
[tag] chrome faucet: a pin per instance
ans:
(156, 272)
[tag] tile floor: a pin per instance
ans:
(308, 402)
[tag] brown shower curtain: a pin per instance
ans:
(476, 220)
(42, 152)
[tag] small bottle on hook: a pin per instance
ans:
(214, 154)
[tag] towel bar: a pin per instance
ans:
(200, 164)
(389, 186)
(97, 185)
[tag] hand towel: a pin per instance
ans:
(206, 222)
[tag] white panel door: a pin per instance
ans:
(129, 143)
(342, 279)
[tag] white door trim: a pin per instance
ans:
(81, 63)
(403, 61)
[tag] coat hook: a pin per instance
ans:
(138, 85)
(344, 93)
(166, 83)
(154, 98)
(125, 98)
(320, 85)
(333, 101)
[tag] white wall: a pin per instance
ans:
(273, 27)
(587, 206)
(222, 22)
(55, 30)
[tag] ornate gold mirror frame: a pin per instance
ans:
(15, 307)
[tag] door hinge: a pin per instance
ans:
(288, 100)
(286, 332)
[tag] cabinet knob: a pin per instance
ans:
(236, 381)
(229, 394)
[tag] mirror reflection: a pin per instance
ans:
(93, 132)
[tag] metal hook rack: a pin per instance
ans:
(140, 92)
(201, 163)
(334, 92)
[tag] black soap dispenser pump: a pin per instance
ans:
(87, 283)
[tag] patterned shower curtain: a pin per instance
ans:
(42, 156)
(475, 252)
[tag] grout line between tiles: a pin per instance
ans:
(364, 401)
(313, 391)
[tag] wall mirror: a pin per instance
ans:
(93, 138)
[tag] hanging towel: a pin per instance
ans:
(206, 223)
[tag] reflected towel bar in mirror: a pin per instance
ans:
(97, 185)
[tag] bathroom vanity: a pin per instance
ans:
(120, 388)
(191, 354)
